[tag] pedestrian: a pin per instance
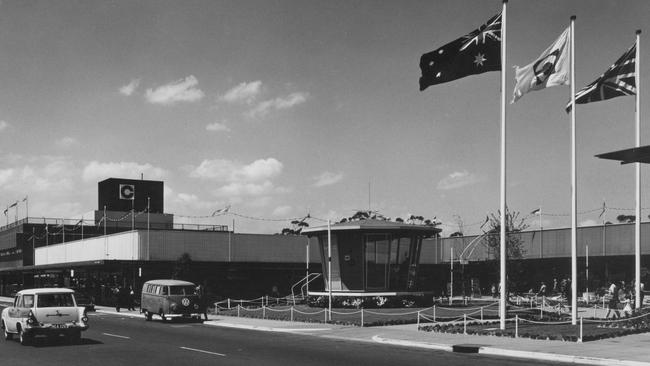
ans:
(203, 303)
(612, 304)
(542, 290)
(494, 291)
(555, 285)
(131, 299)
(117, 291)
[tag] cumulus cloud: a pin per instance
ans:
(5, 176)
(282, 211)
(243, 93)
(287, 102)
(223, 170)
(327, 178)
(217, 127)
(130, 88)
(96, 171)
(457, 180)
(183, 90)
(66, 142)
(4, 125)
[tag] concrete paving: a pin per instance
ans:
(627, 350)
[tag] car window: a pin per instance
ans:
(55, 300)
(182, 290)
(28, 301)
(19, 302)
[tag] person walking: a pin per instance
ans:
(612, 305)
(131, 298)
(203, 301)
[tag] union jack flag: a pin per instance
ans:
(618, 80)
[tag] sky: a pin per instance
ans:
(280, 109)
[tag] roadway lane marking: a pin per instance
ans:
(202, 351)
(115, 335)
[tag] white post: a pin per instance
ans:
(580, 339)
(434, 313)
(292, 313)
(637, 225)
(148, 227)
(516, 326)
(329, 266)
(451, 271)
(574, 196)
(502, 266)
(587, 268)
(464, 323)
(362, 317)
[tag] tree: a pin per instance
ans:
(626, 219)
(183, 267)
(456, 234)
(296, 227)
(514, 225)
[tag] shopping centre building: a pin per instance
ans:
(129, 239)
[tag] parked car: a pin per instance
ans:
(87, 301)
(170, 298)
(44, 312)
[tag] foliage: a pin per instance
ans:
(182, 268)
(514, 225)
(296, 227)
(626, 219)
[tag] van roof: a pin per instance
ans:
(170, 283)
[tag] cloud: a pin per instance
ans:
(66, 142)
(457, 180)
(290, 101)
(222, 170)
(96, 171)
(130, 88)
(282, 211)
(5, 176)
(4, 125)
(183, 90)
(327, 178)
(217, 127)
(245, 189)
(243, 93)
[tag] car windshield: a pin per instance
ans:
(55, 300)
(181, 290)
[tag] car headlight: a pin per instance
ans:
(173, 306)
(84, 319)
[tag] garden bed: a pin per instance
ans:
(560, 329)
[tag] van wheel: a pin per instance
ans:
(162, 316)
(147, 315)
(8, 336)
(25, 340)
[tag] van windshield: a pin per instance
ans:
(181, 290)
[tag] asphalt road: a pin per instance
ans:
(118, 340)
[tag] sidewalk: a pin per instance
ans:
(627, 350)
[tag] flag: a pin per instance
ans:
(221, 210)
(6, 210)
(618, 80)
(551, 68)
(536, 211)
(25, 199)
(603, 211)
(14, 204)
(474, 53)
(487, 219)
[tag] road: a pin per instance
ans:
(118, 340)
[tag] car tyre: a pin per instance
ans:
(25, 339)
(148, 316)
(8, 336)
(162, 316)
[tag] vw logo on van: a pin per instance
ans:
(185, 301)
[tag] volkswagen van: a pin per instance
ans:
(170, 298)
(44, 312)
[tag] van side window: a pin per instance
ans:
(165, 290)
(158, 290)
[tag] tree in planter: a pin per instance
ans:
(514, 245)
(183, 268)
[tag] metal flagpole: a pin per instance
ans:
(329, 267)
(26, 199)
(637, 224)
(502, 301)
(451, 273)
(574, 203)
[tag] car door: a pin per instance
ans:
(18, 311)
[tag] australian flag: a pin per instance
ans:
(618, 80)
(475, 53)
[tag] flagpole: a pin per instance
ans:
(637, 225)
(502, 243)
(574, 203)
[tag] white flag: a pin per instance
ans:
(551, 68)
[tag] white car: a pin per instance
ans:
(44, 312)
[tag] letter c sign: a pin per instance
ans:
(127, 191)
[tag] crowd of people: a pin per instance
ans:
(622, 297)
